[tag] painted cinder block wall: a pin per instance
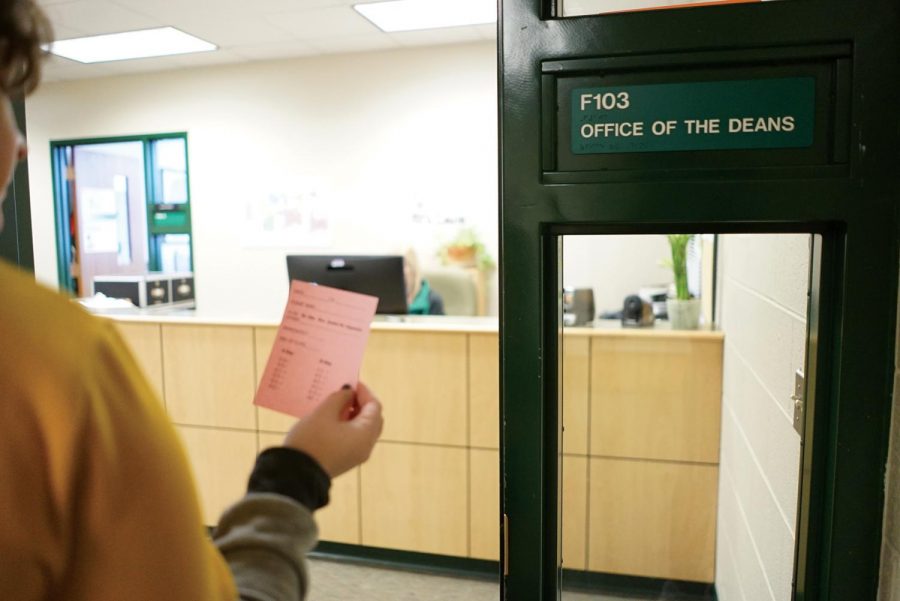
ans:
(762, 307)
(762, 281)
(889, 589)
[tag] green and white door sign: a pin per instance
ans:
(706, 115)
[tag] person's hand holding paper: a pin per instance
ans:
(336, 439)
(318, 348)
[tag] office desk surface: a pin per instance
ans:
(424, 323)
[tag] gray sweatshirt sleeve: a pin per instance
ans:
(264, 539)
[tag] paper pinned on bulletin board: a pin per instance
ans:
(318, 348)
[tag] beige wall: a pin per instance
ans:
(398, 146)
(890, 555)
(615, 266)
(762, 310)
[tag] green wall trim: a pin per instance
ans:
(114, 139)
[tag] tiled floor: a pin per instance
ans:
(342, 581)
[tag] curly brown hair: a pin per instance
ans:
(23, 29)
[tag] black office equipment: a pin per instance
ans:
(636, 312)
(578, 306)
(376, 275)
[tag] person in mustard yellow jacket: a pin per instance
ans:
(96, 497)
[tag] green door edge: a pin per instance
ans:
(16, 243)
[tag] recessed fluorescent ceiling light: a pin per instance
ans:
(163, 41)
(407, 15)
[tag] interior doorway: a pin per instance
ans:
(679, 458)
(108, 223)
(122, 208)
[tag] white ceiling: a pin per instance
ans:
(244, 31)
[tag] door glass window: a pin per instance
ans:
(175, 253)
(170, 164)
(680, 462)
(577, 8)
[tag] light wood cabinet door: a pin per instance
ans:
(414, 497)
(574, 512)
(221, 461)
(656, 397)
(654, 519)
(484, 504)
(576, 389)
(420, 378)
(268, 420)
(209, 375)
(339, 520)
(484, 507)
(145, 342)
(484, 391)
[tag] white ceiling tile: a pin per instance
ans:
(433, 37)
(212, 7)
(98, 16)
(200, 59)
(155, 8)
(268, 6)
(62, 69)
(321, 23)
(222, 22)
(243, 29)
(277, 50)
(64, 33)
(357, 43)
(231, 29)
(142, 65)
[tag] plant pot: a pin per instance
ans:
(463, 256)
(683, 314)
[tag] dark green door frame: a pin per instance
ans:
(16, 245)
(849, 196)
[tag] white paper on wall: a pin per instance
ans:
(99, 219)
(292, 215)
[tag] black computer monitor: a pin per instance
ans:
(380, 276)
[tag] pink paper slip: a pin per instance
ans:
(319, 347)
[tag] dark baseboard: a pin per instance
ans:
(408, 560)
(573, 580)
(638, 587)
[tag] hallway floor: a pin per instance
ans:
(342, 581)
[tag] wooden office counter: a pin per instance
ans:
(641, 411)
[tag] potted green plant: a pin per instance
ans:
(683, 310)
(466, 250)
